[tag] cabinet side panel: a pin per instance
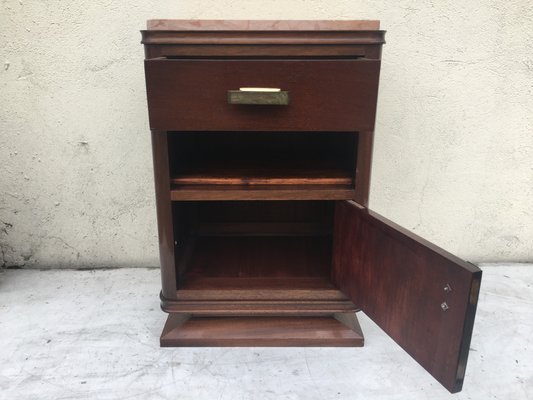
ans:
(420, 295)
(363, 166)
(164, 213)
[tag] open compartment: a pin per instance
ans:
(315, 263)
(256, 249)
(262, 162)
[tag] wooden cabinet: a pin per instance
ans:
(262, 138)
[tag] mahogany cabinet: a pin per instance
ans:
(262, 137)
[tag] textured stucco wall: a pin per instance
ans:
(454, 145)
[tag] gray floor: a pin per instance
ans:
(94, 335)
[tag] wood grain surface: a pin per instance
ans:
(182, 330)
(403, 282)
(263, 176)
(332, 95)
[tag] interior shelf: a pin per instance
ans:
(259, 267)
(261, 192)
(264, 176)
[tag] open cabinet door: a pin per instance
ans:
(420, 295)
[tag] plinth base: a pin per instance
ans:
(337, 330)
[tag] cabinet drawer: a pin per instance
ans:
(325, 95)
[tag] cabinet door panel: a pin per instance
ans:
(420, 295)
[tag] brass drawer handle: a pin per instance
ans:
(259, 96)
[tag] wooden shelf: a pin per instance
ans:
(254, 289)
(233, 269)
(264, 176)
(261, 192)
(263, 184)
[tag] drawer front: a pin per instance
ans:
(192, 95)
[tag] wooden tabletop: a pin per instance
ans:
(261, 25)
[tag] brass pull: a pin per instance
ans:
(259, 96)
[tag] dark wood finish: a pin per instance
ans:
(164, 213)
(364, 167)
(200, 50)
(351, 44)
(399, 280)
(159, 37)
(260, 256)
(359, 38)
(263, 39)
(322, 161)
(263, 212)
(290, 153)
(261, 331)
(223, 308)
(262, 229)
(274, 176)
(271, 192)
(254, 257)
(241, 269)
(259, 288)
(326, 95)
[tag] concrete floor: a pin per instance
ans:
(94, 335)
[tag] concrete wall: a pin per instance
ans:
(454, 146)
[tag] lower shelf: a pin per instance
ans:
(337, 330)
(283, 288)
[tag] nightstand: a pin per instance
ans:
(262, 137)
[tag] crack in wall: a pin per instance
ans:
(59, 239)
(7, 225)
(3, 230)
(3, 255)
(421, 202)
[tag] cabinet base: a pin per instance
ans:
(337, 330)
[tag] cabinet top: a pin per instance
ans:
(261, 25)
(262, 38)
